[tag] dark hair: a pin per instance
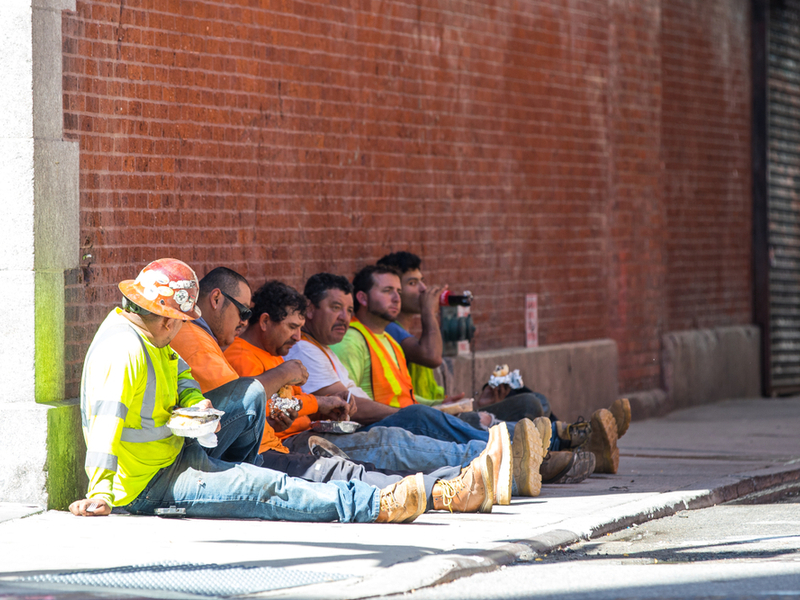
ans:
(364, 280)
(277, 300)
(318, 285)
(223, 278)
(402, 261)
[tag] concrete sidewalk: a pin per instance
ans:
(689, 459)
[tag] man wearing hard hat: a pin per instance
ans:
(132, 381)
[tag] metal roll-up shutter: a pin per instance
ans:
(784, 194)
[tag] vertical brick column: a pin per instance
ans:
(39, 186)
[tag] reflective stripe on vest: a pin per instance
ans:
(101, 460)
(391, 383)
(149, 432)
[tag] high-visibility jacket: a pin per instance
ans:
(391, 383)
(128, 390)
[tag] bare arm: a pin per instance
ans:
(427, 351)
(368, 411)
(290, 372)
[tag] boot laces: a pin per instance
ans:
(450, 489)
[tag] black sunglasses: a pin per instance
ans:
(244, 312)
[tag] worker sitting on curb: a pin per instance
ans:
(224, 299)
(132, 380)
(501, 401)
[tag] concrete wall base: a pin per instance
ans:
(706, 365)
(577, 378)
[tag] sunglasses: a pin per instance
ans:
(244, 312)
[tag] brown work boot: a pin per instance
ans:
(603, 442)
(567, 467)
(469, 492)
(404, 501)
(499, 448)
(528, 455)
(545, 429)
(621, 409)
(574, 434)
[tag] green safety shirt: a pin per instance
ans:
(128, 390)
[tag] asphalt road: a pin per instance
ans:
(727, 551)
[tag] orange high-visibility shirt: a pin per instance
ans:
(250, 361)
(212, 370)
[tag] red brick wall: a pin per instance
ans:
(706, 154)
(516, 146)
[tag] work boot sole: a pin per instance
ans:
(545, 428)
(603, 442)
(621, 409)
(502, 491)
(487, 474)
(528, 456)
(581, 466)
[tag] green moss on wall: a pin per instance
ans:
(66, 453)
(49, 352)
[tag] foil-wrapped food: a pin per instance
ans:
(283, 402)
(502, 374)
(335, 426)
(193, 421)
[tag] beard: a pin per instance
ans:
(374, 310)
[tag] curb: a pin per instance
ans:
(444, 568)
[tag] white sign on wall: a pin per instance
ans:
(531, 320)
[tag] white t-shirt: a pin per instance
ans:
(321, 373)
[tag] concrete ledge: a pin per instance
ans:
(706, 365)
(577, 378)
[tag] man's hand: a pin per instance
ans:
(207, 404)
(90, 507)
(282, 421)
(293, 371)
(493, 395)
(344, 394)
(334, 408)
(429, 299)
(451, 399)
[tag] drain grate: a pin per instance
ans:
(199, 579)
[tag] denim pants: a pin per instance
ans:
(424, 420)
(312, 468)
(395, 448)
(225, 482)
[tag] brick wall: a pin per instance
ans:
(518, 147)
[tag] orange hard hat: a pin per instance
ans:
(167, 287)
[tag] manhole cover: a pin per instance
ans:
(203, 580)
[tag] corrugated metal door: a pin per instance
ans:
(784, 194)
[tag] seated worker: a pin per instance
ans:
(327, 319)
(224, 298)
(132, 380)
(506, 404)
(275, 327)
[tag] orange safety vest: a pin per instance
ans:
(391, 383)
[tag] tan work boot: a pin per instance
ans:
(470, 492)
(603, 442)
(528, 454)
(499, 448)
(404, 501)
(545, 429)
(567, 467)
(575, 434)
(621, 409)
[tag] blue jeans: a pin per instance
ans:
(424, 420)
(395, 448)
(225, 482)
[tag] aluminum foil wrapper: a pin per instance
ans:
(200, 423)
(513, 379)
(335, 426)
(284, 405)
